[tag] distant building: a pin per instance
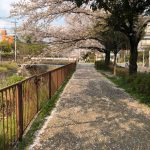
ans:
(6, 38)
(145, 42)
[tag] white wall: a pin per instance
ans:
(146, 39)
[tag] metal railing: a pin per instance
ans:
(20, 102)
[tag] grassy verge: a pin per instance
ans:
(7, 74)
(138, 86)
(10, 80)
(5, 67)
(131, 89)
(40, 119)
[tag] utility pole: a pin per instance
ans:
(15, 30)
(15, 41)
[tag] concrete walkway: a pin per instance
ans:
(93, 114)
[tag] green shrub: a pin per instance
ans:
(30, 49)
(139, 83)
(3, 69)
(5, 46)
(122, 71)
(7, 54)
(89, 57)
(100, 65)
(14, 79)
(9, 66)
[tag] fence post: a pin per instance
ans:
(57, 78)
(36, 81)
(61, 76)
(20, 111)
(50, 85)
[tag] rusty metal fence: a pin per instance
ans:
(19, 103)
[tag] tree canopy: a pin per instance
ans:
(126, 16)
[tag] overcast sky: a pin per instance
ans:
(5, 6)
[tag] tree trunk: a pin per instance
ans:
(133, 56)
(107, 58)
(115, 64)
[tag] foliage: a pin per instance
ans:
(89, 57)
(8, 66)
(28, 39)
(10, 80)
(100, 65)
(13, 79)
(123, 16)
(8, 69)
(71, 35)
(120, 71)
(137, 85)
(7, 54)
(29, 49)
(5, 47)
(114, 41)
(3, 69)
(126, 17)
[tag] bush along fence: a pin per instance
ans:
(19, 103)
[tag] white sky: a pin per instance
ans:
(5, 6)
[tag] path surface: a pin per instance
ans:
(93, 114)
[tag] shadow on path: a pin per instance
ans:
(93, 114)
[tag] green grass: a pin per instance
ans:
(142, 97)
(8, 135)
(138, 86)
(10, 80)
(3, 69)
(100, 65)
(7, 69)
(40, 119)
(13, 79)
(8, 66)
(121, 71)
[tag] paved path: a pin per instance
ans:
(93, 114)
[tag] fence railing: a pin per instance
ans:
(19, 103)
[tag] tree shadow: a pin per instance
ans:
(121, 126)
(96, 115)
